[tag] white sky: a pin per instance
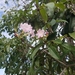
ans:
(4, 6)
(2, 72)
(11, 4)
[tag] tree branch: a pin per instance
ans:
(63, 71)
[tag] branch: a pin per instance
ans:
(63, 71)
(56, 59)
(70, 65)
(23, 2)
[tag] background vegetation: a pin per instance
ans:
(50, 55)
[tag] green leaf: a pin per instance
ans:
(60, 6)
(8, 48)
(52, 36)
(53, 52)
(57, 41)
(43, 13)
(72, 35)
(50, 8)
(52, 0)
(69, 47)
(36, 1)
(1, 54)
(37, 63)
(31, 71)
(53, 21)
(35, 50)
(60, 20)
(73, 22)
(63, 1)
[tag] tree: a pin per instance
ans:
(51, 50)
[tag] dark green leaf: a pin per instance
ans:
(52, 36)
(43, 13)
(35, 50)
(53, 52)
(63, 1)
(69, 47)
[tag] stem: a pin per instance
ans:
(63, 71)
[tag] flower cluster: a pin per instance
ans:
(27, 28)
(40, 33)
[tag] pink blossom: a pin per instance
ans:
(32, 33)
(40, 33)
(26, 27)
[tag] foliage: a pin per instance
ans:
(48, 55)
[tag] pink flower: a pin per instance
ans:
(40, 33)
(26, 27)
(32, 33)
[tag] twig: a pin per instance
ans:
(57, 60)
(63, 71)
(23, 1)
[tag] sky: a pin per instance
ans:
(2, 72)
(4, 6)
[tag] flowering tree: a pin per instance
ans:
(42, 38)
